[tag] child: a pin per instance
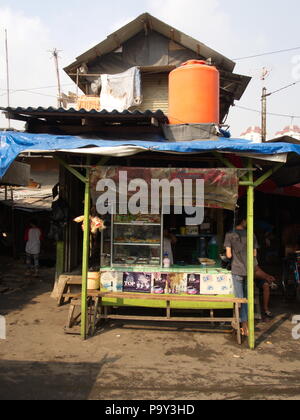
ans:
(33, 236)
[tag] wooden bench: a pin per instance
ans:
(65, 283)
(100, 309)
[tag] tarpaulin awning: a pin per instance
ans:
(13, 143)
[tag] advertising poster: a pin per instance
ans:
(160, 283)
(220, 284)
(177, 283)
(221, 185)
(193, 284)
(137, 282)
(111, 282)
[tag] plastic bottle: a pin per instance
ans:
(213, 249)
(166, 261)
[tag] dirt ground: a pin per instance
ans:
(127, 362)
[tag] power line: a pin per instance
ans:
(268, 113)
(265, 54)
(285, 87)
(28, 91)
(39, 88)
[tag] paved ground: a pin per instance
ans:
(38, 361)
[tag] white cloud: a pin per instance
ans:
(122, 22)
(202, 19)
(30, 65)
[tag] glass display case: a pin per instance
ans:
(136, 240)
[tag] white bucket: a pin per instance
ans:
(93, 281)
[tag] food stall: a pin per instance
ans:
(132, 245)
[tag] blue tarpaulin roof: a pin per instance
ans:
(14, 143)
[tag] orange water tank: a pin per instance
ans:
(194, 94)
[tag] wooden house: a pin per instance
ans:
(156, 48)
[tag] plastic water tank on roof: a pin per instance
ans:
(194, 94)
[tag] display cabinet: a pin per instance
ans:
(135, 240)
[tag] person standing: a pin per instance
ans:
(33, 237)
(236, 250)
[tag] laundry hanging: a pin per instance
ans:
(121, 91)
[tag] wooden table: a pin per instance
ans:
(98, 311)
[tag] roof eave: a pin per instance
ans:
(143, 21)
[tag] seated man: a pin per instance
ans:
(264, 282)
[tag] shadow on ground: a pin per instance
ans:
(48, 380)
(21, 290)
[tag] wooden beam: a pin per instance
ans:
(268, 174)
(227, 163)
(70, 169)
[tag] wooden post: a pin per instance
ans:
(60, 258)
(85, 256)
(250, 259)
(168, 309)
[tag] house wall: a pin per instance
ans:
(44, 170)
(155, 90)
(143, 50)
(153, 50)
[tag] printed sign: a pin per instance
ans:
(111, 282)
(137, 282)
(220, 185)
(160, 283)
(193, 284)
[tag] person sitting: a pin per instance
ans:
(264, 282)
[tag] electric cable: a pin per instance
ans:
(268, 113)
(267, 53)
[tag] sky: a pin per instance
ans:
(234, 28)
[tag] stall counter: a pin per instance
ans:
(177, 280)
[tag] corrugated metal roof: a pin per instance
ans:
(113, 116)
(28, 200)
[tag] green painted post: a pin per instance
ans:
(250, 259)
(85, 256)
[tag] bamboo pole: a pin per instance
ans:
(250, 259)
(70, 169)
(268, 174)
(85, 254)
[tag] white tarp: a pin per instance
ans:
(121, 91)
(125, 151)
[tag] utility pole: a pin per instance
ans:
(264, 108)
(264, 96)
(264, 115)
(264, 75)
(55, 56)
(7, 75)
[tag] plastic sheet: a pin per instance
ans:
(14, 143)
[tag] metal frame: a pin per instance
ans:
(160, 245)
(246, 180)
